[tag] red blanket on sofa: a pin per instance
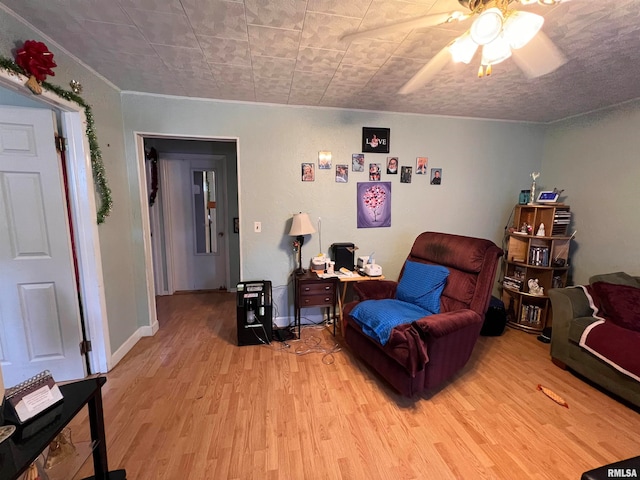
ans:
(615, 336)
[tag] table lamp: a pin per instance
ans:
(300, 226)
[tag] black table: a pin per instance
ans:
(17, 453)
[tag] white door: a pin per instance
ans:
(197, 223)
(39, 313)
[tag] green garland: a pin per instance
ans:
(97, 166)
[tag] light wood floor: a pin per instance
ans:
(189, 403)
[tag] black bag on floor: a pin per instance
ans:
(495, 320)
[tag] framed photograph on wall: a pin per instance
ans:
(342, 173)
(357, 162)
(421, 165)
(308, 172)
(374, 204)
(436, 176)
(374, 172)
(392, 165)
(375, 140)
(405, 174)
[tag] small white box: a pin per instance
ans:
(362, 261)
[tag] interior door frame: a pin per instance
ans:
(144, 207)
(82, 204)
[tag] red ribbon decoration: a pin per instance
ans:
(36, 59)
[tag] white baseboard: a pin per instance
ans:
(150, 331)
(126, 347)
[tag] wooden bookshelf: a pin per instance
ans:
(531, 256)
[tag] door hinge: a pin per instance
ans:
(61, 143)
(85, 347)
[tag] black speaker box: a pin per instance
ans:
(342, 254)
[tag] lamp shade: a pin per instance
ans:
(521, 27)
(463, 48)
(496, 51)
(487, 26)
(301, 225)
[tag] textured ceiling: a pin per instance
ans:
(290, 52)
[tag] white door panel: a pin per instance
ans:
(39, 313)
(193, 269)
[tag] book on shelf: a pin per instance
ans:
(561, 221)
(539, 256)
(530, 314)
(512, 283)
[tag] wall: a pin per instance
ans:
(126, 303)
(595, 159)
(485, 164)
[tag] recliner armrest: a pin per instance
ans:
(442, 324)
(375, 289)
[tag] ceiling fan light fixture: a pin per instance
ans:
(496, 51)
(463, 49)
(521, 27)
(487, 26)
(548, 2)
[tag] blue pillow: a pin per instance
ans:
(378, 317)
(422, 284)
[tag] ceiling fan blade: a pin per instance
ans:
(539, 57)
(426, 73)
(420, 22)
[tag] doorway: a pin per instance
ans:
(82, 206)
(194, 246)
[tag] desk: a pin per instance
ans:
(313, 291)
(16, 455)
(345, 281)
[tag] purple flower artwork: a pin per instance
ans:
(374, 204)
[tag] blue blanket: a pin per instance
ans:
(378, 317)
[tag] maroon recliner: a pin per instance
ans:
(423, 354)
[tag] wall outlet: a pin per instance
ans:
(257, 227)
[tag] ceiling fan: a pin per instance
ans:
(501, 31)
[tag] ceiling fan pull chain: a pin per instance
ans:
(488, 70)
(481, 72)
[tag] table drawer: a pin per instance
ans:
(327, 299)
(317, 288)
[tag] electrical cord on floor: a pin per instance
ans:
(313, 344)
(310, 344)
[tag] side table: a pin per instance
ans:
(16, 454)
(312, 291)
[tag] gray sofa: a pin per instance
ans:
(571, 315)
